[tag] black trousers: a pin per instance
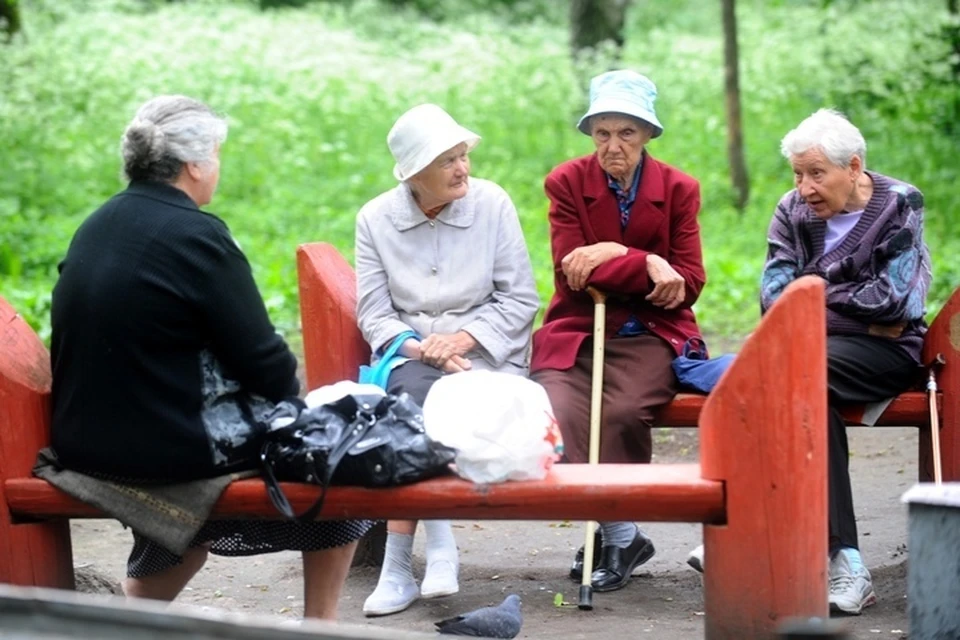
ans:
(415, 378)
(860, 369)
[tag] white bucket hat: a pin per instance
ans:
(420, 135)
(625, 92)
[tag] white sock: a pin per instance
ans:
(618, 534)
(854, 558)
(440, 544)
(398, 558)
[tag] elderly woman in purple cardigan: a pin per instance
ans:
(862, 232)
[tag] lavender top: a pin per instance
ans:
(879, 274)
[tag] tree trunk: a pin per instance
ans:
(731, 81)
(953, 37)
(593, 22)
(371, 548)
(10, 17)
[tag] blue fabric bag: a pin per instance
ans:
(379, 373)
(696, 370)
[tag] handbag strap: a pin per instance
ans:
(397, 342)
(359, 428)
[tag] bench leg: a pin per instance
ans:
(763, 433)
(943, 338)
(36, 555)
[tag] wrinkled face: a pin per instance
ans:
(825, 187)
(619, 141)
(445, 179)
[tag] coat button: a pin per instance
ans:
(653, 324)
(432, 223)
(434, 270)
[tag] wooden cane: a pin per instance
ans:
(935, 417)
(596, 403)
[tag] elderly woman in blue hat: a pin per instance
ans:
(442, 269)
(625, 223)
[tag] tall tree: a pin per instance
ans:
(953, 36)
(593, 22)
(731, 88)
(10, 17)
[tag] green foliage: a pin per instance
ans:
(310, 94)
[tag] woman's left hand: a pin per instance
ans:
(437, 348)
(580, 263)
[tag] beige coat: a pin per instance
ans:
(468, 269)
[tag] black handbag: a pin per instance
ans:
(369, 441)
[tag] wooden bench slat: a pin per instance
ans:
(907, 410)
(659, 492)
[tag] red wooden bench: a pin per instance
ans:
(760, 489)
(334, 349)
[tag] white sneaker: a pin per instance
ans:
(390, 596)
(850, 591)
(440, 579)
(695, 559)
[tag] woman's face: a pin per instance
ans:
(825, 187)
(619, 141)
(445, 179)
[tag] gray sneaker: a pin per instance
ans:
(850, 591)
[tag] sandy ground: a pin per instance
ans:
(664, 600)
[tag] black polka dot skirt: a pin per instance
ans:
(247, 538)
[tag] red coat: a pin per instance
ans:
(663, 221)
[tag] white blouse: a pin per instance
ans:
(467, 269)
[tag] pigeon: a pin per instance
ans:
(502, 621)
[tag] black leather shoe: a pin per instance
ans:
(617, 564)
(576, 569)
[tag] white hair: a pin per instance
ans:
(831, 132)
(167, 132)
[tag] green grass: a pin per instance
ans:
(311, 93)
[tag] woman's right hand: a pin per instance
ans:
(456, 364)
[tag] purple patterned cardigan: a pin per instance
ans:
(879, 273)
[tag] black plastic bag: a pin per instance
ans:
(363, 440)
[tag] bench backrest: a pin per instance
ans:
(333, 347)
(24, 430)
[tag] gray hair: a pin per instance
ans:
(166, 133)
(831, 132)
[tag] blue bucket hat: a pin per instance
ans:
(625, 92)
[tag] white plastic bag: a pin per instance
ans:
(332, 392)
(501, 425)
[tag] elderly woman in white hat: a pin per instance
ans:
(626, 224)
(442, 267)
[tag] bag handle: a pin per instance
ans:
(359, 428)
(395, 345)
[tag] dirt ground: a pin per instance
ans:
(664, 599)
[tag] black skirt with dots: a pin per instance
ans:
(247, 538)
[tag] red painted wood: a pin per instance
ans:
(39, 554)
(333, 347)
(662, 493)
(944, 338)
(908, 410)
(763, 433)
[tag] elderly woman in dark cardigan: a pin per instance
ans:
(625, 223)
(862, 232)
(161, 344)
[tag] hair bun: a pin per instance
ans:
(143, 141)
